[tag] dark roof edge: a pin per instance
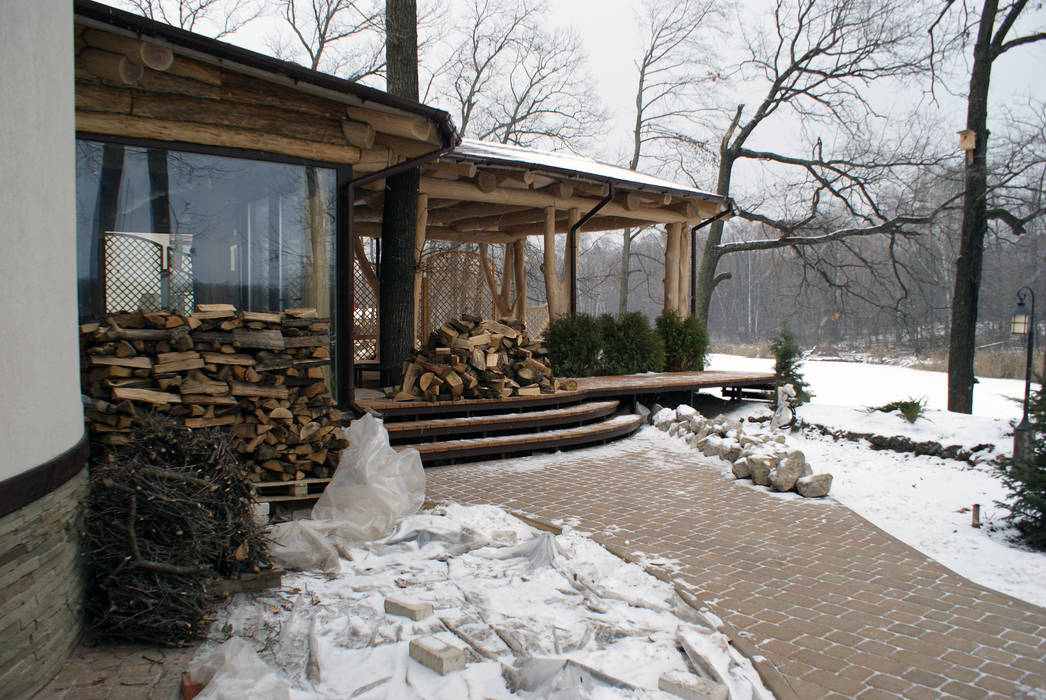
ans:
(176, 36)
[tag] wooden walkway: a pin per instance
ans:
(630, 386)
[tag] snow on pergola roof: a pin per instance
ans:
(572, 166)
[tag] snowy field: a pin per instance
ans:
(923, 501)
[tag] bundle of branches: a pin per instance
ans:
(167, 512)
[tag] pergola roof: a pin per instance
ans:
(571, 166)
(493, 193)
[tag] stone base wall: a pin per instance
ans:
(41, 588)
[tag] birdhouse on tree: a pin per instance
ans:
(968, 142)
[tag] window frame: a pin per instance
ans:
(341, 342)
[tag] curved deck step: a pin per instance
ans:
(422, 429)
(451, 450)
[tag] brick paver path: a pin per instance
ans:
(119, 672)
(841, 608)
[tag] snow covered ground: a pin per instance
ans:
(540, 615)
(923, 501)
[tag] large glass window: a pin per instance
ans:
(158, 228)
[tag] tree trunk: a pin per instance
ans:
(395, 296)
(706, 277)
(974, 225)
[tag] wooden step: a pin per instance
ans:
(519, 422)
(453, 450)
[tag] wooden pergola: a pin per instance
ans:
(487, 193)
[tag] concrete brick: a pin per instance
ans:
(413, 609)
(690, 687)
(436, 654)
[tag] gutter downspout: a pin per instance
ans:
(346, 280)
(572, 245)
(693, 250)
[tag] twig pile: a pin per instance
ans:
(167, 512)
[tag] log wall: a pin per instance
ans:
(125, 88)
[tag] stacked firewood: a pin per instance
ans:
(470, 357)
(260, 374)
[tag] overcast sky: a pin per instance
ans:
(609, 31)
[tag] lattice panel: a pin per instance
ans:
(453, 284)
(365, 313)
(133, 273)
(136, 279)
(536, 320)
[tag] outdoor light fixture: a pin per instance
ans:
(1022, 322)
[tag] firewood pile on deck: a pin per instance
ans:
(474, 358)
(261, 374)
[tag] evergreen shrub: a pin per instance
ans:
(1026, 481)
(685, 340)
(787, 363)
(629, 345)
(573, 344)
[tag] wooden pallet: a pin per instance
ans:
(302, 490)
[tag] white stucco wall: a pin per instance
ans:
(40, 414)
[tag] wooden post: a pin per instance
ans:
(421, 224)
(672, 266)
(685, 270)
(573, 216)
(519, 306)
(554, 283)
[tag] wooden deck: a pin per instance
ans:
(630, 386)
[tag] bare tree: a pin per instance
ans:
(995, 34)
(217, 18)
(670, 73)
(817, 60)
(320, 32)
(513, 80)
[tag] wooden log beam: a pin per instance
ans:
(115, 67)
(404, 125)
(212, 135)
(148, 54)
(685, 270)
(450, 216)
(359, 134)
(446, 189)
(272, 120)
(446, 170)
(369, 229)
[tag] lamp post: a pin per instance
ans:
(1022, 322)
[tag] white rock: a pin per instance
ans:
(685, 412)
(663, 418)
(814, 486)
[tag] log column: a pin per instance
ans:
(519, 305)
(555, 285)
(685, 270)
(672, 246)
(421, 223)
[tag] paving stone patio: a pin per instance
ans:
(842, 609)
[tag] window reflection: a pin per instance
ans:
(169, 229)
